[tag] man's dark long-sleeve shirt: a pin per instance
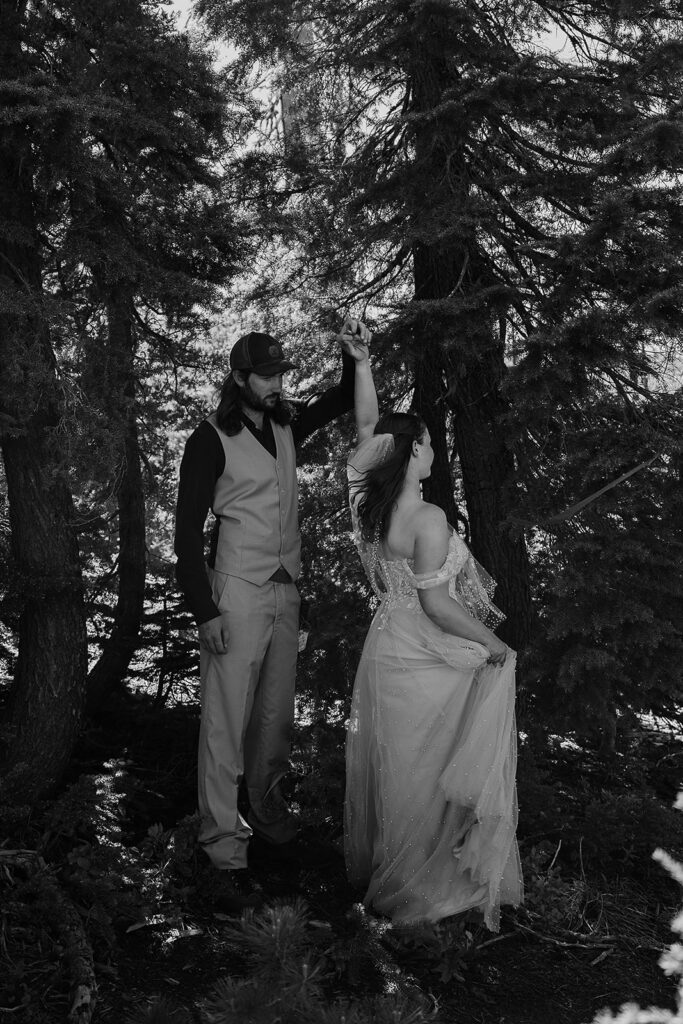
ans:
(203, 463)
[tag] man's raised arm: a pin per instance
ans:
(354, 389)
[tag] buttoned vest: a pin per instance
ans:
(256, 502)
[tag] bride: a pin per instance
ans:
(430, 809)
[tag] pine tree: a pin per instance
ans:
(115, 230)
(158, 236)
(48, 686)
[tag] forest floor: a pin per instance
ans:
(589, 936)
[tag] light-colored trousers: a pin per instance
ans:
(247, 710)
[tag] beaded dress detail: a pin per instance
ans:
(430, 809)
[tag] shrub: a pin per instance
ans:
(671, 962)
(620, 832)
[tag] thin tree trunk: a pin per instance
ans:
(109, 671)
(48, 687)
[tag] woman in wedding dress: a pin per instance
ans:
(430, 810)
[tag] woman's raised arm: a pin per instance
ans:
(355, 340)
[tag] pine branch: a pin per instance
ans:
(574, 510)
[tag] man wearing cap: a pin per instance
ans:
(241, 464)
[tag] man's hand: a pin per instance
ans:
(214, 634)
(355, 339)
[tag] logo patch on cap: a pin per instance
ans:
(274, 350)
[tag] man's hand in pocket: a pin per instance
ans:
(214, 634)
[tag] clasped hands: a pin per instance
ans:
(355, 339)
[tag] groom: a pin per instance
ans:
(241, 463)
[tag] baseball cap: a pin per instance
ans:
(259, 353)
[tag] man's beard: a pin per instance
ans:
(278, 410)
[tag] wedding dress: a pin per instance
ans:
(430, 809)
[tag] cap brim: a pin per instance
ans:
(270, 369)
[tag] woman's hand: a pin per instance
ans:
(497, 651)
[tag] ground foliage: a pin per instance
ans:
(118, 847)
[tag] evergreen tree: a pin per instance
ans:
(157, 234)
(48, 687)
(608, 581)
(116, 229)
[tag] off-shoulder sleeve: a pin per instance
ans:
(455, 560)
(468, 583)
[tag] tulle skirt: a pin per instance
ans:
(431, 807)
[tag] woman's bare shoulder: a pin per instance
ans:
(430, 517)
(430, 528)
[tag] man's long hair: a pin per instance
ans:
(229, 411)
(382, 485)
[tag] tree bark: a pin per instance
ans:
(429, 400)
(488, 472)
(48, 688)
(109, 671)
(49, 683)
(468, 382)
(461, 347)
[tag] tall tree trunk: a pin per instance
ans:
(488, 471)
(444, 268)
(469, 384)
(430, 402)
(109, 671)
(49, 683)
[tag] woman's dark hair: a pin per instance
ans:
(229, 411)
(382, 485)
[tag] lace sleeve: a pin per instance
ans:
(474, 588)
